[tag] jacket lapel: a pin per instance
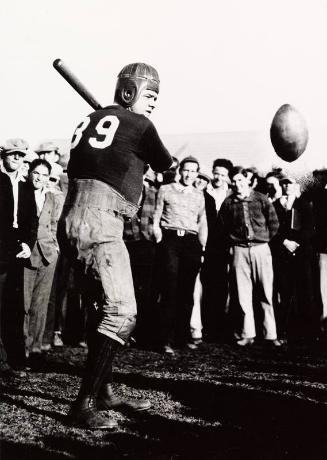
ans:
(45, 210)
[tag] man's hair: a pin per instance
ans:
(255, 175)
(204, 176)
(38, 162)
(245, 172)
(238, 170)
(320, 176)
(189, 159)
(223, 163)
(275, 173)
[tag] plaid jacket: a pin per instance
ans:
(140, 227)
(252, 220)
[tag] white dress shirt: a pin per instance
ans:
(39, 199)
(14, 177)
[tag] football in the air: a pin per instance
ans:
(289, 133)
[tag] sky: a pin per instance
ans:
(224, 65)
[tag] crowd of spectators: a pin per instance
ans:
(231, 256)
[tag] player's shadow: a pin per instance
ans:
(58, 366)
(289, 368)
(32, 408)
(215, 420)
(268, 415)
(9, 393)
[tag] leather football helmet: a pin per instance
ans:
(132, 79)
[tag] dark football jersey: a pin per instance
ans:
(113, 145)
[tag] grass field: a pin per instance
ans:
(217, 402)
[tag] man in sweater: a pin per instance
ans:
(247, 222)
(180, 226)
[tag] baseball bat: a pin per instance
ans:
(78, 86)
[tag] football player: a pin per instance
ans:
(109, 151)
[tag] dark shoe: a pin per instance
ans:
(244, 342)
(108, 400)
(198, 341)
(84, 414)
(192, 346)
(168, 350)
(274, 343)
(36, 361)
(8, 372)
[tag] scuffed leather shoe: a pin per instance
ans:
(84, 414)
(108, 400)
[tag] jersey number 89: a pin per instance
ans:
(106, 127)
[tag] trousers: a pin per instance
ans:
(90, 232)
(180, 257)
(195, 322)
(3, 354)
(37, 289)
(252, 272)
(323, 288)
